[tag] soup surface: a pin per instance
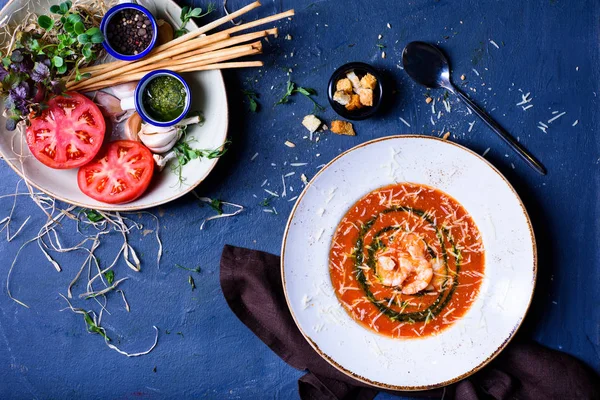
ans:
(406, 261)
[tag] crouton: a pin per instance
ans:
(344, 85)
(354, 79)
(368, 82)
(342, 128)
(311, 123)
(366, 97)
(354, 103)
(342, 97)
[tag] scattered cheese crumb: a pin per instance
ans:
(446, 135)
(304, 179)
(463, 77)
(311, 123)
(379, 37)
(342, 128)
(389, 26)
(288, 37)
(428, 100)
(383, 54)
(289, 144)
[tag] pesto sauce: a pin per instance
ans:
(164, 98)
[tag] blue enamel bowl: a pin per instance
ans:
(139, 90)
(114, 11)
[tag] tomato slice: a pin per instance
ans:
(68, 134)
(121, 173)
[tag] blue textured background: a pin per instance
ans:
(548, 48)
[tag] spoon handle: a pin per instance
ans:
(515, 145)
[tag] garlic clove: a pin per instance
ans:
(109, 105)
(158, 139)
(165, 148)
(149, 129)
(162, 160)
(133, 126)
(124, 90)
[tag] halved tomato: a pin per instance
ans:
(68, 134)
(121, 173)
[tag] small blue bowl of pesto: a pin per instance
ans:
(162, 98)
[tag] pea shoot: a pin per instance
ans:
(197, 269)
(187, 13)
(292, 88)
(110, 276)
(252, 97)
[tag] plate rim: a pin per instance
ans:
(125, 207)
(382, 385)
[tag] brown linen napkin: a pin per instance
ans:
(251, 284)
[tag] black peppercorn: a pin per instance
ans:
(129, 32)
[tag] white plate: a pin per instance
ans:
(208, 96)
(506, 291)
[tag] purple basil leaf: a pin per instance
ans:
(3, 73)
(17, 55)
(40, 72)
(21, 91)
(11, 124)
(57, 87)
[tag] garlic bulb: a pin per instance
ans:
(160, 139)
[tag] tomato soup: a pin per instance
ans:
(407, 261)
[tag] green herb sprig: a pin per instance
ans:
(93, 216)
(252, 97)
(197, 269)
(188, 13)
(92, 327)
(110, 276)
(185, 153)
(216, 205)
(292, 88)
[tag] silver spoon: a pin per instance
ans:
(427, 65)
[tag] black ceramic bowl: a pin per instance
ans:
(359, 69)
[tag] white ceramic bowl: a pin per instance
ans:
(467, 345)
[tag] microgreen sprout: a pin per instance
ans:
(188, 13)
(292, 88)
(191, 282)
(197, 269)
(93, 216)
(110, 276)
(216, 205)
(185, 153)
(252, 97)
